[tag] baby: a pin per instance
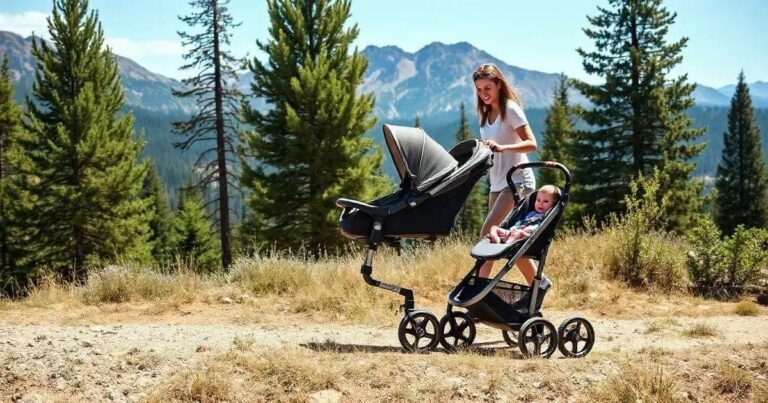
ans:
(545, 198)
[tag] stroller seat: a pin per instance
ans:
(434, 186)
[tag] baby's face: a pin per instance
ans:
(544, 201)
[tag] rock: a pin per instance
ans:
(86, 344)
(201, 349)
(241, 299)
(326, 396)
(226, 300)
(31, 398)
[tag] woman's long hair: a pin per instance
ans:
(506, 92)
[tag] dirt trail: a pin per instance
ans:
(123, 361)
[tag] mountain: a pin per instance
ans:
(758, 90)
(437, 78)
(143, 88)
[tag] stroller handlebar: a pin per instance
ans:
(538, 164)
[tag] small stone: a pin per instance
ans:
(226, 300)
(86, 344)
(31, 398)
(201, 349)
(326, 396)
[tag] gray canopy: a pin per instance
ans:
(417, 156)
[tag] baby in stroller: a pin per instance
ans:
(547, 196)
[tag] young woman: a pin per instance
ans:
(505, 129)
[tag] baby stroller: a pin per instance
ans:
(515, 308)
(434, 185)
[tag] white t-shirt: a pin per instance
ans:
(503, 132)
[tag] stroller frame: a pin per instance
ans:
(517, 307)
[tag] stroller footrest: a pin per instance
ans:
(365, 207)
(487, 250)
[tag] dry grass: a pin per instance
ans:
(747, 308)
(661, 324)
(206, 384)
(638, 384)
(701, 330)
(733, 381)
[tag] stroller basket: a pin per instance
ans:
(506, 303)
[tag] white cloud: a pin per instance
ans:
(25, 23)
(135, 49)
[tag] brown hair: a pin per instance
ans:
(506, 92)
(551, 190)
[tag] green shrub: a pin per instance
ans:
(723, 267)
(639, 252)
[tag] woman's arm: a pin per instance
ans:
(526, 145)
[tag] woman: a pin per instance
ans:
(505, 130)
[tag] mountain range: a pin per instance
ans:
(429, 84)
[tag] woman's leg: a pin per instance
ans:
(500, 204)
(528, 268)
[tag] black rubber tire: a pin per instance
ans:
(510, 336)
(534, 334)
(419, 333)
(457, 330)
(573, 332)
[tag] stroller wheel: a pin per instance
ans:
(457, 330)
(575, 337)
(419, 331)
(510, 336)
(537, 337)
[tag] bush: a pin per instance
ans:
(639, 252)
(723, 268)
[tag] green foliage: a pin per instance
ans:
(640, 252)
(80, 161)
(637, 121)
(309, 149)
(13, 236)
(472, 215)
(742, 178)
(161, 221)
(217, 119)
(723, 267)
(192, 239)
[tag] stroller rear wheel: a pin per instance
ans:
(537, 337)
(419, 331)
(457, 330)
(575, 337)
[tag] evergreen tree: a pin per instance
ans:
(417, 122)
(638, 116)
(192, 239)
(309, 149)
(161, 222)
(742, 180)
(557, 134)
(215, 122)
(12, 273)
(82, 161)
(472, 215)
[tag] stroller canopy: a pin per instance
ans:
(417, 157)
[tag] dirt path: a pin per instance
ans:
(123, 361)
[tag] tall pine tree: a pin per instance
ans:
(742, 180)
(13, 275)
(83, 167)
(472, 215)
(309, 149)
(638, 119)
(161, 221)
(216, 121)
(557, 134)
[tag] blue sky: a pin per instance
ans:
(724, 37)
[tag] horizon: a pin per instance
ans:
(151, 41)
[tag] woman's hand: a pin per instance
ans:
(494, 146)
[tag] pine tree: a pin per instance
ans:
(309, 149)
(557, 134)
(638, 116)
(82, 159)
(742, 179)
(472, 215)
(216, 121)
(13, 274)
(161, 222)
(192, 239)
(417, 122)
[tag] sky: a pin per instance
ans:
(725, 37)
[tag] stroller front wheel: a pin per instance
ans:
(537, 337)
(457, 330)
(419, 331)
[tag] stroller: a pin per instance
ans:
(515, 308)
(434, 185)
